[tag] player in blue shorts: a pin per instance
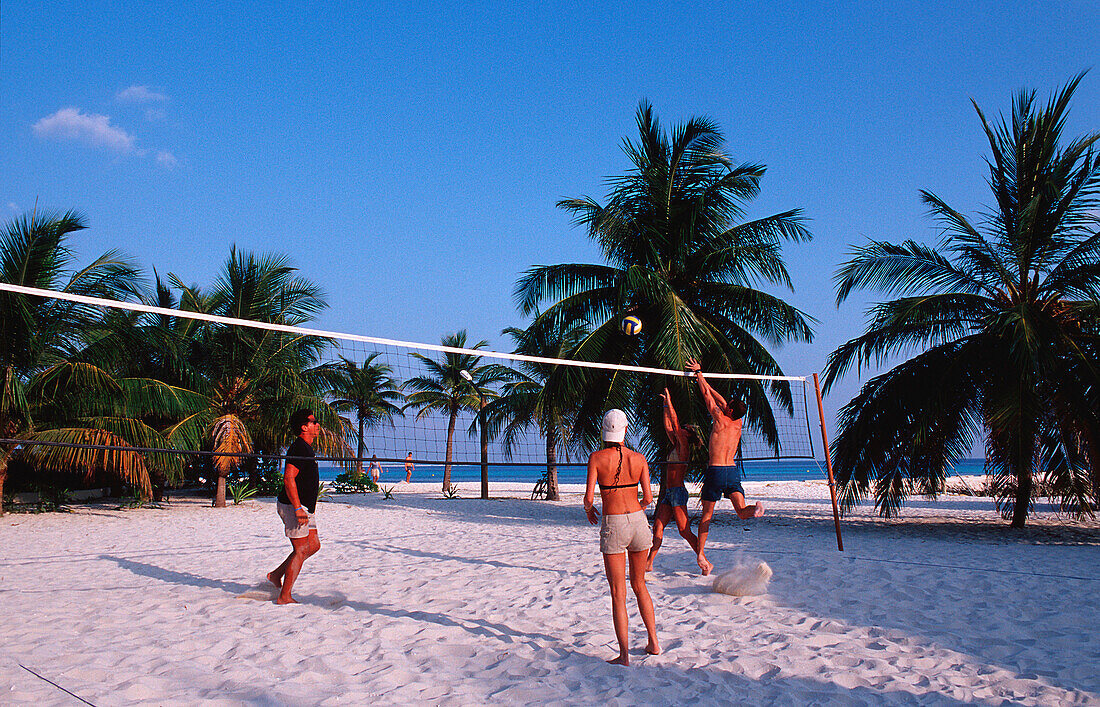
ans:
(673, 501)
(723, 477)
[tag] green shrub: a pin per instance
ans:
(240, 492)
(350, 483)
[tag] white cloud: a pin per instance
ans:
(13, 207)
(140, 94)
(89, 128)
(166, 159)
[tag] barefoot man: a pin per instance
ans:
(723, 477)
(409, 468)
(297, 503)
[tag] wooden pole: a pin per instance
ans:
(828, 465)
(484, 450)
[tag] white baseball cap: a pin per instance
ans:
(614, 426)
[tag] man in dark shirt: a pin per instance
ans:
(297, 503)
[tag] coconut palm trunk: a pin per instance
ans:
(450, 448)
(219, 495)
(362, 448)
(3, 477)
(552, 465)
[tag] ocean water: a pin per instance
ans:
(782, 470)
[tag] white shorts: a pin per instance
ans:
(626, 531)
(290, 521)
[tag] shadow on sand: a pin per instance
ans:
(699, 685)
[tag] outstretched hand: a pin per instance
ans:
(693, 366)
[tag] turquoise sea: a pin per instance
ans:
(782, 470)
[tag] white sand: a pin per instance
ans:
(422, 599)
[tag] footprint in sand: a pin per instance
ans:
(263, 591)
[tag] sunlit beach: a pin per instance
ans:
(422, 599)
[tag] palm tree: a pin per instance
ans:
(368, 391)
(254, 378)
(1006, 310)
(38, 339)
(442, 389)
(539, 396)
(678, 259)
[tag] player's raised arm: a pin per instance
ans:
(672, 423)
(711, 398)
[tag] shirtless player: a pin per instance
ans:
(723, 477)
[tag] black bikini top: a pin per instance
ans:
(618, 486)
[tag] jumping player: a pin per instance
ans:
(673, 501)
(723, 477)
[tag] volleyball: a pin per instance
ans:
(631, 325)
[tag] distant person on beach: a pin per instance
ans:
(723, 477)
(374, 469)
(673, 501)
(624, 529)
(409, 468)
(297, 503)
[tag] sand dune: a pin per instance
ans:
(464, 601)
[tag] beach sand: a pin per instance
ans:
(425, 600)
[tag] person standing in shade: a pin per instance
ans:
(409, 468)
(297, 503)
(723, 477)
(624, 530)
(672, 504)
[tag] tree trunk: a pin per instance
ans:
(219, 495)
(361, 453)
(3, 476)
(552, 466)
(158, 481)
(1023, 494)
(484, 452)
(450, 448)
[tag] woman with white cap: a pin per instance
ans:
(624, 531)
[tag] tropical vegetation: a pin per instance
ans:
(539, 396)
(680, 257)
(442, 389)
(368, 391)
(47, 394)
(1005, 314)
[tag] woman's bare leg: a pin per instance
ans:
(615, 568)
(645, 603)
(660, 519)
(683, 523)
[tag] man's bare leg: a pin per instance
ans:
(615, 568)
(745, 512)
(645, 602)
(660, 520)
(704, 530)
(304, 548)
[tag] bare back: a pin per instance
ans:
(725, 438)
(602, 468)
(677, 461)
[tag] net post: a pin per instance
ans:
(828, 465)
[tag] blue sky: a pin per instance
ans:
(408, 156)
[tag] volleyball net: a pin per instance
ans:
(395, 400)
